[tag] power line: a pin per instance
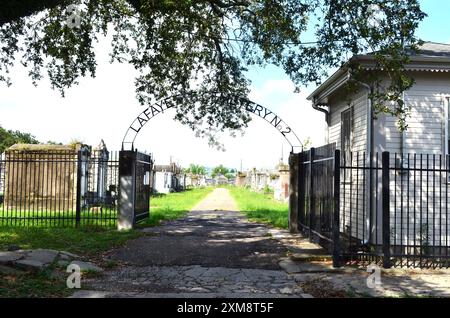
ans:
(287, 43)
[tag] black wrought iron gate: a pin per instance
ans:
(143, 166)
(316, 193)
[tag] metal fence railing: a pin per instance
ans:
(388, 208)
(58, 188)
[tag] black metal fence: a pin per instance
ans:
(58, 188)
(387, 208)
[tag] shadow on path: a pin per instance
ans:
(213, 250)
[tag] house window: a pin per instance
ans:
(346, 142)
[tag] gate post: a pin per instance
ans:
(293, 192)
(337, 211)
(127, 184)
(386, 235)
(312, 200)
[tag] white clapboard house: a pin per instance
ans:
(419, 183)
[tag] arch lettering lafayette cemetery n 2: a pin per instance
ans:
(252, 107)
(134, 167)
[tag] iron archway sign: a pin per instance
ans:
(161, 106)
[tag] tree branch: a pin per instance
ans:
(13, 9)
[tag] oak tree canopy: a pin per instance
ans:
(201, 49)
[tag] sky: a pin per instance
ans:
(103, 108)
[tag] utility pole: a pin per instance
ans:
(282, 153)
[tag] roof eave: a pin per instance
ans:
(335, 81)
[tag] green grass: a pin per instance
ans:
(89, 240)
(29, 285)
(261, 207)
(162, 207)
(93, 239)
(106, 218)
(85, 241)
(174, 205)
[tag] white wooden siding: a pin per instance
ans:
(353, 193)
(425, 135)
(425, 132)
